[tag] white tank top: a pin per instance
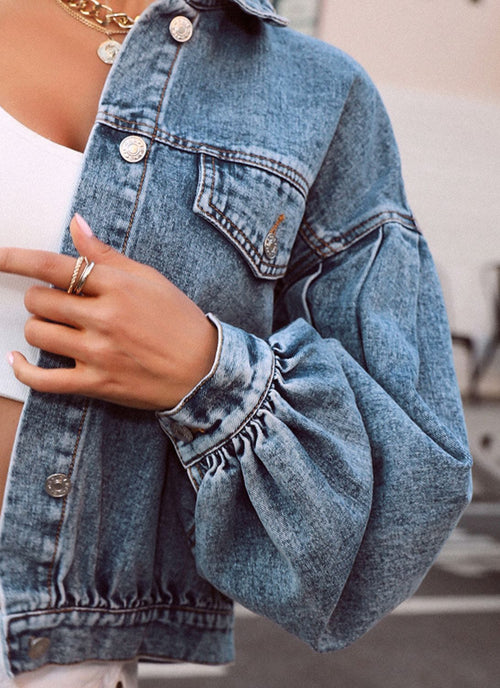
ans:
(37, 182)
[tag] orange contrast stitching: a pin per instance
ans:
(277, 224)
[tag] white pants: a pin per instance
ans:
(83, 675)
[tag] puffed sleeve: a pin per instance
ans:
(331, 460)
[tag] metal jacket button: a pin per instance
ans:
(58, 485)
(38, 647)
(133, 148)
(181, 29)
(271, 245)
(180, 432)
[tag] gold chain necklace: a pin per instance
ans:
(101, 18)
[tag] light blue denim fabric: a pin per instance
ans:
(315, 473)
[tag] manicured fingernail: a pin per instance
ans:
(10, 358)
(83, 224)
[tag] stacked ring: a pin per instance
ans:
(83, 278)
(79, 261)
(79, 276)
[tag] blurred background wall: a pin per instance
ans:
(443, 46)
(437, 65)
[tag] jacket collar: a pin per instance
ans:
(259, 8)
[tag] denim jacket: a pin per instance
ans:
(314, 474)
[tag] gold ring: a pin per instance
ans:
(78, 288)
(74, 277)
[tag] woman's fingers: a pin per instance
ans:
(58, 339)
(46, 266)
(58, 380)
(57, 269)
(87, 244)
(56, 305)
(136, 339)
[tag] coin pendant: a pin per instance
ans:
(108, 51)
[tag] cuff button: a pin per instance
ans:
(180, 432)
(38, 647)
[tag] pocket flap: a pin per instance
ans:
(258, 211)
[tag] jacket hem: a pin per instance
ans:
(80, 634)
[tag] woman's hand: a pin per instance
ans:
(136, 339)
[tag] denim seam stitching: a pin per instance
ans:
(108, 610)
(194, 146)
(204, 213)
(350, 236)
(308, 234)
(276, 266)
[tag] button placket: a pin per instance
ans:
(58, 485)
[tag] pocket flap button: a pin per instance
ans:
(271, 245)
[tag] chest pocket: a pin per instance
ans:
(258, 211)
